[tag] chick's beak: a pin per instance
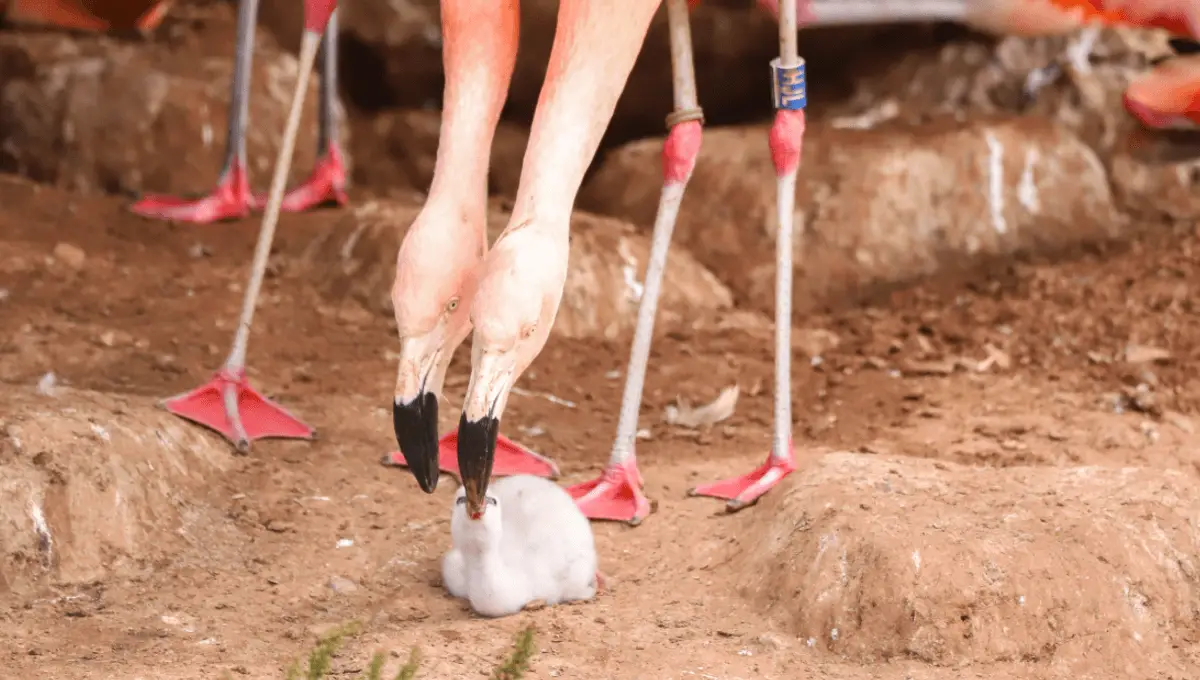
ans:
(415, 409)
(487, 395)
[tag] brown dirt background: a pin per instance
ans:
(999, 459)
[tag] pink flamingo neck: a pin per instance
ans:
(479, 55)
(594, 50)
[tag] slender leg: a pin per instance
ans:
(617, 494)
(446, 243)
(787, 137)
(228, 404)
(327, 183)
(521, 279)
(231, 199)
(327, 110)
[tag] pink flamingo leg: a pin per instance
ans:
(786, 139)
(617, 494)
(327, 182)
(232, 198)
(228, 404)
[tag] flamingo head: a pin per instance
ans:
(435, 283)
(512, 313)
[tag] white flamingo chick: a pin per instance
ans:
(531, 545)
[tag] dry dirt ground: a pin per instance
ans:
(958, 506)
(998, 472)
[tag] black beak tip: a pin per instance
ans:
(415, 424)
(476, 453)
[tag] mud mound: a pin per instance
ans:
(356, 256)
(1153, 189)
(873, 207)
(876, 558)
(92, 482)
(93, 113)
(966, 79)
(401, 149)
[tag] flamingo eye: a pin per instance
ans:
(491, 501)
(461, 500)
(452, 304)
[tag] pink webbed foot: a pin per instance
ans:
(1160, 117)
(326, 184)
(228, 405)
(744, 491)
(616, 495)
(511, 459)
(230, 200)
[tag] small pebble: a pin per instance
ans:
(47, 384)
(70, 255)
(770, 641)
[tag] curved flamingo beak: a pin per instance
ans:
(492, 380)
(415, 424)
(415, 407)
